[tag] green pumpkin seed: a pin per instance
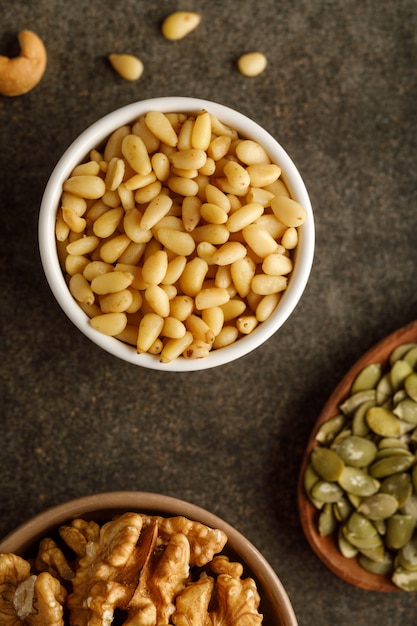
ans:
(346, 548)
(327, 463)
(404, 579)
(399, 372)
(384, 389)
(399, 486)
(400, 352)
(367, 542)
(391, 465)
(398, 450)
(407, 410)
(383, 567)
(349, 406)
(327, 522)
(392, 442)
(410, 507)
(356, 451)
(380, 526)
(399, 530)
(410, 385)
(330, 428)
(383, 422)
(411, 357)
(310, 479)
(375, 554)
(359, 424)
(367, 378)
(325, 491)
(358, 482)
(380, 506)
(407, 557)
(342, 509)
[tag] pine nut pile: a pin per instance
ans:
(177, 236)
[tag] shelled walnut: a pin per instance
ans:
(134, 570)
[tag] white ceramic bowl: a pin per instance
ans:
(275, 604)
(93, 137)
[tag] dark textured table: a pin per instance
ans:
(340, 93)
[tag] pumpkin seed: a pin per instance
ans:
(356, 451)
(400, 352)
(399, 486)
(325, 491)
(310, 479)
(379, 506)
(404, 579)
(342, 509)
(359, 423)
(384, 389)
(327, 463)
(399, 372)
(383, 422)
(327, 522)
(367, 378)
(346, 548)
(407, 556)
(407, 410)
(399, 530)
(410, 385)
(352, 402)
(328, 431)
(358, 482)
(391, 465)
(411, 356)
(382, 567)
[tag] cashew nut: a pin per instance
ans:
(21, 74)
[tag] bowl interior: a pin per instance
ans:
(275, 603)
(94, 137)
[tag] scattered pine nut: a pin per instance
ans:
(127, 66)
(179, 24)
(252, 63)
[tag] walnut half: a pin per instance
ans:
(26, 598)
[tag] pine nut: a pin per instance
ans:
(229, 252)
(192, 158)
(113, 248)
(84, 245)
(127, 66)
(80, 289)
(179, 242)
(111, 282)
(158, 299)
(261, 242)
(90, 187)
(109, 323)
(117, 302)
(210, 297)
(192, 278)
(277, 264)
(265, 284)
(175, 347)
(252, 63)
(161, 127)
(179, 24)
(155, 211)
(136, 154)
(244, 216)
(201, 135)
(150, 328)
(106, 224)
(288, 211)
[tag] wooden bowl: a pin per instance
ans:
(326, 548)
(275, 604)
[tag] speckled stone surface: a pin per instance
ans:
(339, 93)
